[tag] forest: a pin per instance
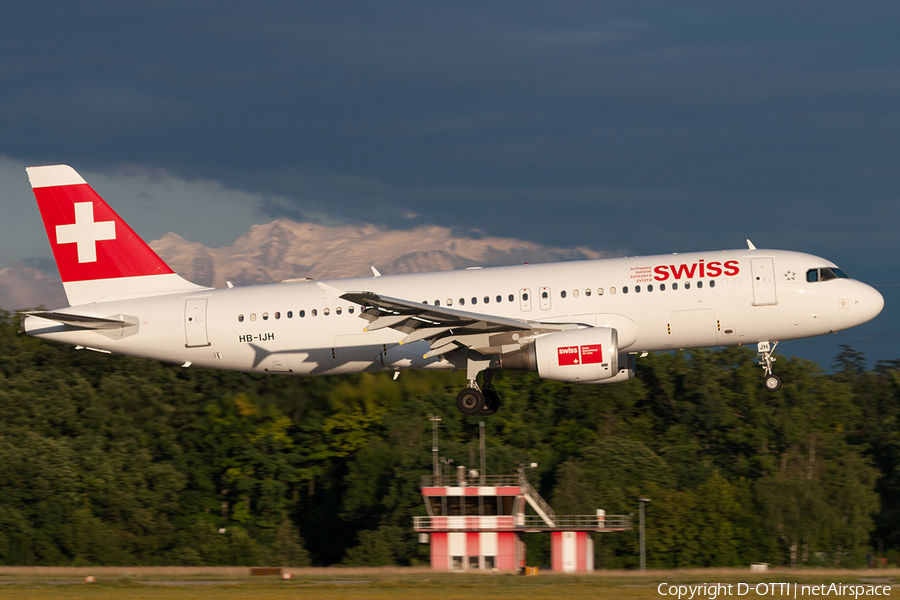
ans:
(111, 460)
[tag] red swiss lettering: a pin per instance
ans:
(661, 273)
(567, 355)
(714, 269)
(683, 270)
(731, 268)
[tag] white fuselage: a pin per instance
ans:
(722, 299)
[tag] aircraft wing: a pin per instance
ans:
(448, 329)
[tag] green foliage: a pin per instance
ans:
(114, 460)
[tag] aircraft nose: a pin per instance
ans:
(871, 302)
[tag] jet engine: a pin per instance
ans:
(577, 355)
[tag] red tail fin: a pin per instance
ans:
(98, 255)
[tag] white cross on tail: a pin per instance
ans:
(85, 232)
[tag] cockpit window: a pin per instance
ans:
(824, 274)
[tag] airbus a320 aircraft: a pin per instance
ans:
(580, 321)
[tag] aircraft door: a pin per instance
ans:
(763, 280)
(195, 323)
(525, 299)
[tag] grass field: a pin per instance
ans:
(233, 583)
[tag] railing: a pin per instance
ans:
(524, 522)
(489, 480)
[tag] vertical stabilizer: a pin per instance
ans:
(98, 255)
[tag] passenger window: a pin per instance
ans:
(326, 311)
(252, 316)
(587, 292)
(562, 294)
(290, 314)
(474, 300)
(487, 299)
(449, 302)
(544, 294)
(350, 309)
(500, 299)
(301, 314)
(687, 285)
(699, 284)
(712, 283)
(512, 298)
(424, 301)
(437, 302)
(812, 275)
(650, 287)
(599, 291)
(462, 301)
(574, 293)
(612, 291)
(240, 318)
(265, 316)
(662, 287)
(674, 286)
(314, 312)
(525, 297)
(277, 315)
(337, 311)
(624, 289)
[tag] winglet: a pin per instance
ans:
(750, 245)
(375, 272)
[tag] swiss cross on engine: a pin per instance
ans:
(85, 232)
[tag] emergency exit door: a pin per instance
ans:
(195, 323)
(763, 280)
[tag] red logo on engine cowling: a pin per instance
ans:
(700, 268)
(579, 355)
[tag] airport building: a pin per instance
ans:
(477, 522)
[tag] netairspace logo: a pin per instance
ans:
(711, 591)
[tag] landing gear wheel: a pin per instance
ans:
(470, 402)
(772, 383)
(491, 402)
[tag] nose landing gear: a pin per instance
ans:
(765, 351)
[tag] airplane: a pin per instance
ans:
(580, 321)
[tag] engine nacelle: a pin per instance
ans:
(577, 355)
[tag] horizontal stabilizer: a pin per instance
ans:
(85, 321)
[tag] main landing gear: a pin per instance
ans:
(765, 351)
(479, 401)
